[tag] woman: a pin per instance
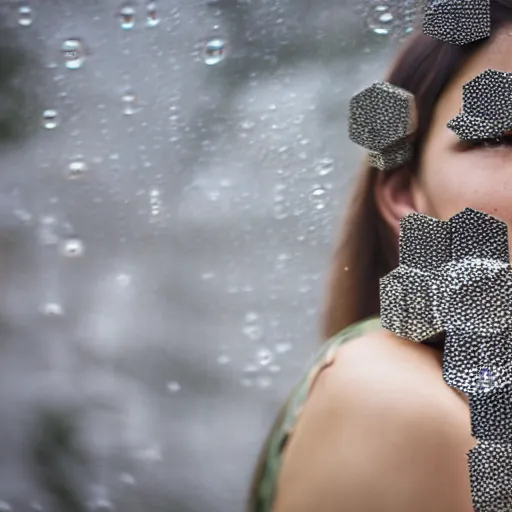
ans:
(373, 426)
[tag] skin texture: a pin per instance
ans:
(380, 432)
(453, 175)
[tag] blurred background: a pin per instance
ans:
(172, 179)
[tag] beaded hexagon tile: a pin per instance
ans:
(457, 22)
(381, 119)
(486, 106)
(455, 277)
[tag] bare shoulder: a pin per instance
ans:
(380, 431)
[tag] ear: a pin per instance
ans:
(395, 196)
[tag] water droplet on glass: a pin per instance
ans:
(152, 19)
(264, 356)
(325, 166)
(319, 197)
(74, 53)
(214, 51)
(173, 387)
(25, 16)
(274, 368)
(36, 506)
(282, 348)
(52, 309)
(76, 169)
(251, 317)
(223, 359)
(127, 15)
(73, 248)
(129, 107)
(380, 19)
(155, 201)
(253, 332)
(50, 119)
(127, 479)
(247, 124)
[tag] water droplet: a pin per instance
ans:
(223, 359)
(127, 15)
(25, 16)
(214, 51)
(264, 356)
(380, 19)
(274, 368)
(247, 124)
(152, 19)
(155, 202)
(319, 197)
(325, 166)
(173, 387)
(282, 348)
(50, 119)
(76, 169)
(36, 506)
(127, 479)
(74, 53)
(251, 317)
(52, 309)
(253, 332)
(73, 248)
(129, 103)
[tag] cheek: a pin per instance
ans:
(480, 179)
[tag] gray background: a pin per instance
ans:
(203, 220)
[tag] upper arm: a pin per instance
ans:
(369, 442)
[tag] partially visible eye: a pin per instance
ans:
(488, 143)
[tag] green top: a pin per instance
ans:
(290, 412)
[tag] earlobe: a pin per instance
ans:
(395, 197)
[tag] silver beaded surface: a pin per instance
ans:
(486, 107)
(457, 21)
(381, 118)
(455, 276)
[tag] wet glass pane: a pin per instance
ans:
(172, 177)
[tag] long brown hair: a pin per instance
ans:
(366, 248)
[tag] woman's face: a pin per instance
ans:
(455, 174)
